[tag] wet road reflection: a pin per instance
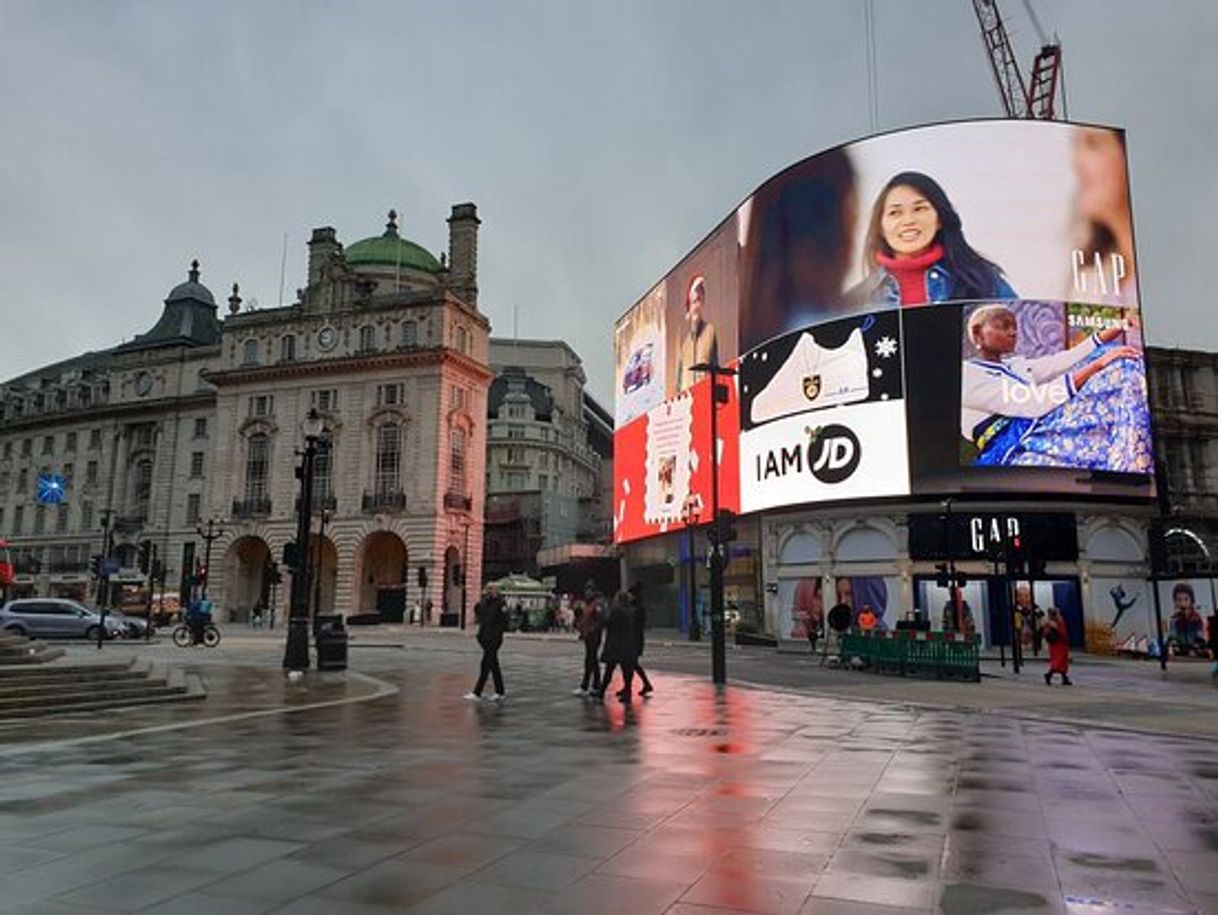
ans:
(744, 800)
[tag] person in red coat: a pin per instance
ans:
(1058, 637)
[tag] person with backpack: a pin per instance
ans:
(1058, 637)
(591, 627)
(492, 624)
(620, 645)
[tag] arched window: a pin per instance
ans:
(287, 348)
(456, 460)
(367, 338)
(410, 333)
(388, 459)
(249, 352)
(257, 463)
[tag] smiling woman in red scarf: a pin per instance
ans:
(916, 253)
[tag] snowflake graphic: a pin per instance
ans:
(885, 347)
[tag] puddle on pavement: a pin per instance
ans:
(923, 817)
(968, 822)
(965, 899)
(1086, 859)
(884, 838)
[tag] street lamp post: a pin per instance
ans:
(212, 533)
(719, 394)
(689, 517)
(317, 565)
(296, 652)
(949, 544)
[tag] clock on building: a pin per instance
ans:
(327, 337)
(143, 384)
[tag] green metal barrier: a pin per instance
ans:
(934, 654)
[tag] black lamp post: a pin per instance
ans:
(317, 566)
(719, 394)
(209, 535)
(689, 517)
(949, 546)
(296, 653)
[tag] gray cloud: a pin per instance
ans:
(600, 141)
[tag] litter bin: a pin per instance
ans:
(330, 639)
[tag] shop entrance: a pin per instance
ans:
(987, 602)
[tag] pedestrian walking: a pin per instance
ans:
(620, 646)
(492, 624)
(591, 627)
(640, 624)
(1058, 637)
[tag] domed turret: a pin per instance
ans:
(391, 250)
(192, 290)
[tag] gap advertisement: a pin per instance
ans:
(943, 309)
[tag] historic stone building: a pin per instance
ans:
(201, 420)
(549, 474)
(1184, 395)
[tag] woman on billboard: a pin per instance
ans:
(1083, 407)
(916, 253)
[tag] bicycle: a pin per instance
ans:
(184, 638)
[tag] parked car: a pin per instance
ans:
(56, 617)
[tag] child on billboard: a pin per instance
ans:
(1082, 407)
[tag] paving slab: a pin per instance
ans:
(380, 789)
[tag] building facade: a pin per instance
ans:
(200, 421)
(549, 456)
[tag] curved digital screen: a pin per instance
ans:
(947, 309)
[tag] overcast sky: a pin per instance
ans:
(600, 141)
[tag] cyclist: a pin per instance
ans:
(197, 617)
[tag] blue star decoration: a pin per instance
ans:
(52, 488)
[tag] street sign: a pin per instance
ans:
(110, 567)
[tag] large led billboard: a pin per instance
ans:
(951, 308)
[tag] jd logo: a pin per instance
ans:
(811, 386)
(833, 453)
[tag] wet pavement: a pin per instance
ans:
(381, 790)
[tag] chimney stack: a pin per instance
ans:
(463, 251)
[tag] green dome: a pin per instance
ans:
(391, 250)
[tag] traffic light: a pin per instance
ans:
(1017, 560)
(95, 565)
(158, 571)
(942, 578)
(145, 556)
(289, 554)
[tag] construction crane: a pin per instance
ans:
(1036, 98)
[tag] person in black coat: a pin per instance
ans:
(640, 624)
(492, 624)
(591, 627)
(620, 645)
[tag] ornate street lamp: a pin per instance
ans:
(296, 653)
